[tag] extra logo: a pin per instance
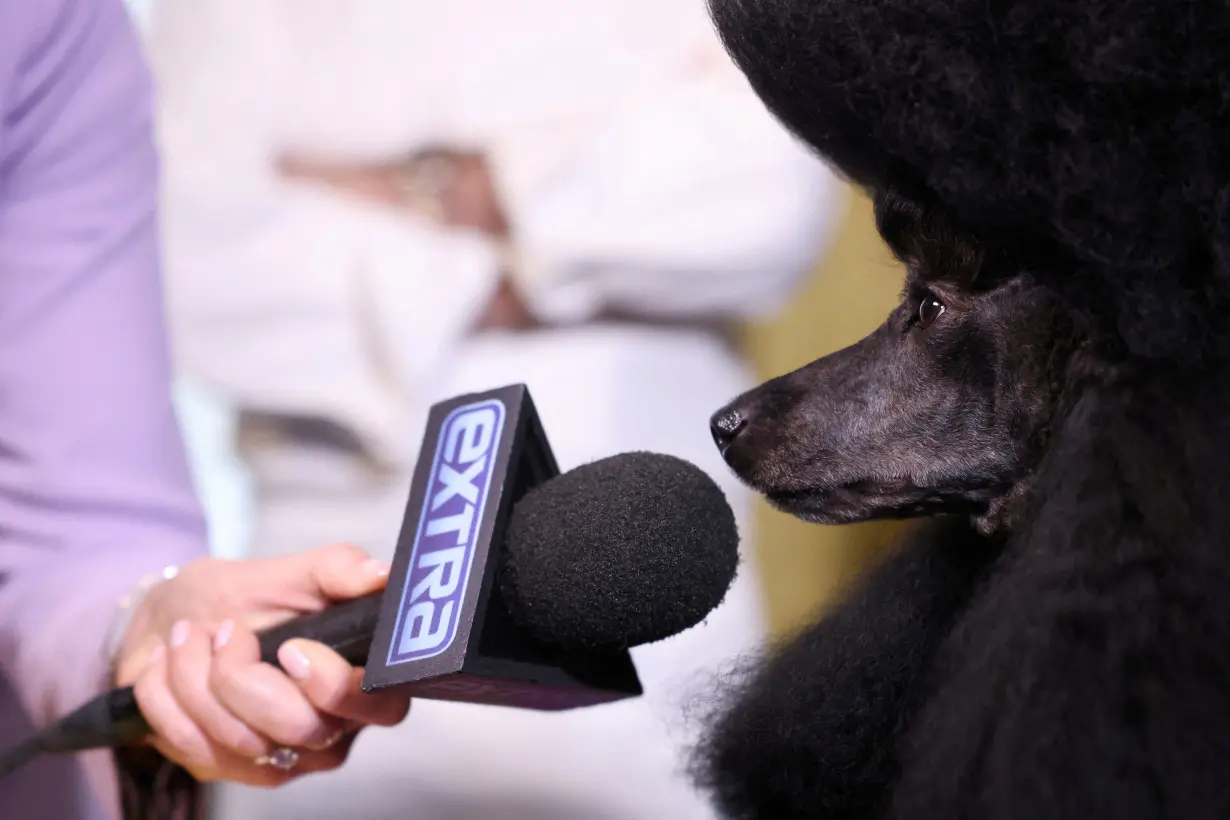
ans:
(444, 545)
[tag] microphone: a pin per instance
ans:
(511, 584)
(621, 552)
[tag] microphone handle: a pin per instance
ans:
(347, 628)
(114, 719)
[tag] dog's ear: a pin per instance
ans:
(925, 238)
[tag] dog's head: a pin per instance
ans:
(945, 408)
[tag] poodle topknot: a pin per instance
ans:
(1090, 138)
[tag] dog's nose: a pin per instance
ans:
(726, 425)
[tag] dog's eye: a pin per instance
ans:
(929, 309)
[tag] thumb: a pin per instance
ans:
(338, 572)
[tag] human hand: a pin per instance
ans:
(453, 187)
(192, 656)
(468, 199)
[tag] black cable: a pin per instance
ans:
(114, 720)
(13, 759)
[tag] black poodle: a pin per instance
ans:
(1052, 392)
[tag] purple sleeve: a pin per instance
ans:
(94, 485)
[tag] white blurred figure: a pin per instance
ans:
(375, 204)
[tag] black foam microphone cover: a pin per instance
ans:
(623, 551)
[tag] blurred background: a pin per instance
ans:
(850, 291)
(295, 442)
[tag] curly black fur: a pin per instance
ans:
(1090, 677)
(1075, 669)
(1097, 127)
(852, 680)
(1055, 175)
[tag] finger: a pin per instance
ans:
(330, 573)
(323, 760)
(309, 762)
(232, 769)
(335, 687)
(264, 698)
(176, 736)
(189, 660)
(343, 571)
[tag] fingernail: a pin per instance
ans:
(156, 654)
(294, 661)
(224, 634)
(179, 634)
(329, 742)
(375, 566)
